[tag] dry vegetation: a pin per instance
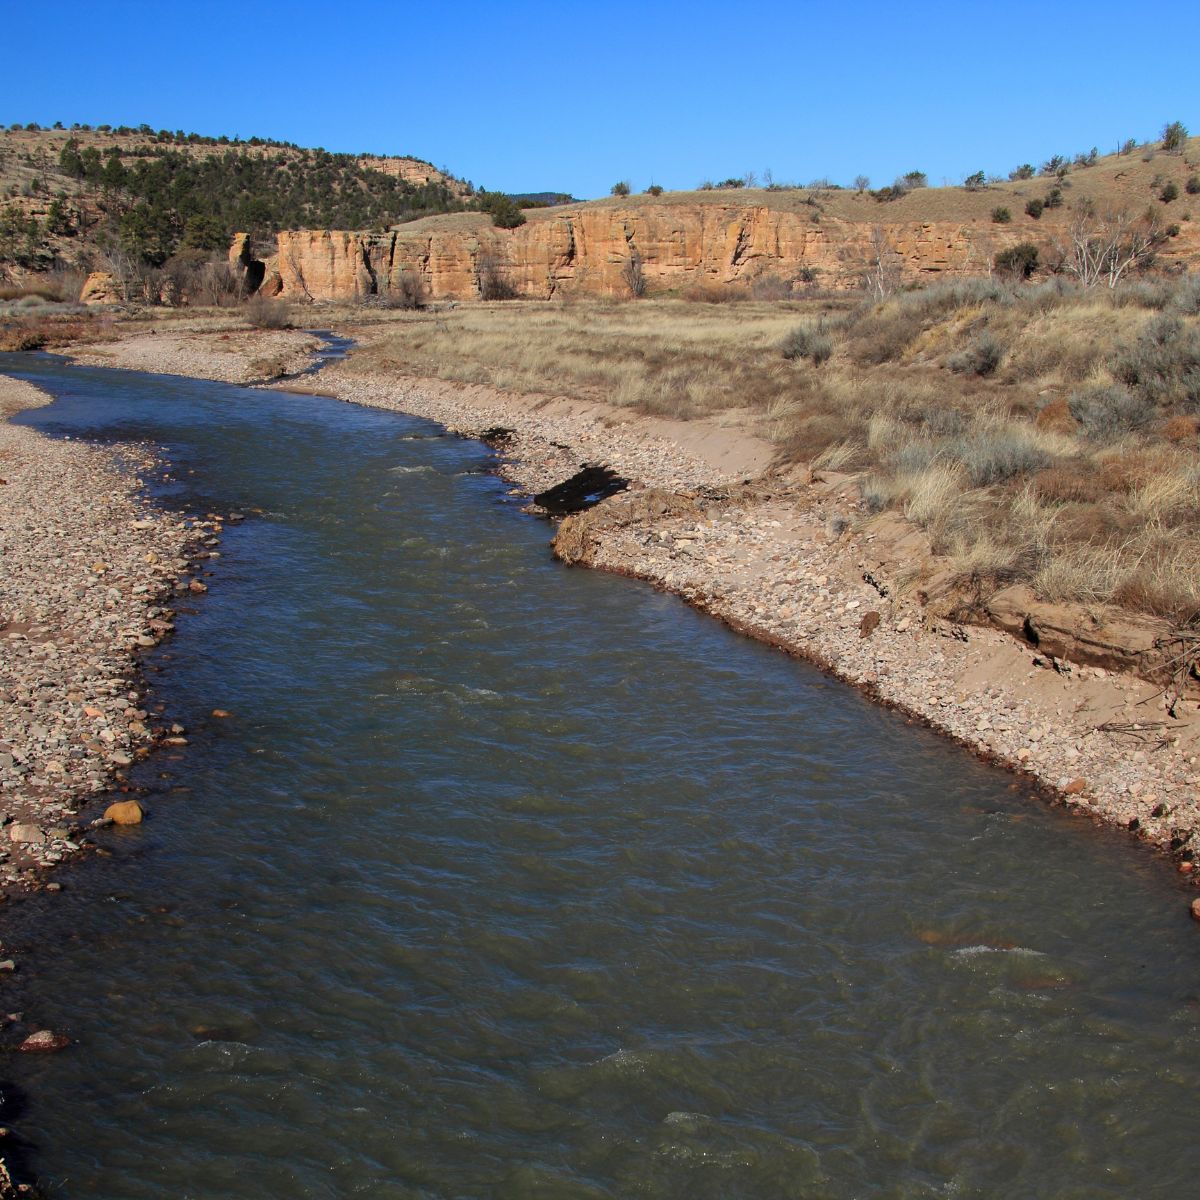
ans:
(1041, 432)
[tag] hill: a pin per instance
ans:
(69, 195)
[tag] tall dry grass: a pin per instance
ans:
(1039, 432)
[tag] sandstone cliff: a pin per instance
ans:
(598, 249)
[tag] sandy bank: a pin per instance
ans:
(788, 560)
(87, 571)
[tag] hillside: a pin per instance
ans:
(70, 195)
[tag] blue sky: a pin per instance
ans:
(524, 96)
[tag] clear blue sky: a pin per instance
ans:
(524, 96)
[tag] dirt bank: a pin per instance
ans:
(791, 559)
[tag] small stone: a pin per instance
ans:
(7, 964)
(868, 624)
(27, 833)
(223, 714)
(1076, 787)
(197, 587)
(1196, 908)
(1024, 753)
(45, 1041)
(125, 812)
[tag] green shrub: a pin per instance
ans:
(1001, 216)
(1170, 191)
(1106, 413)
(1054, 198)
(807, 341)
(1020, 261)
(1034, 208)
(1174, 136)
(981, 357)
(1024, 171)
(1192, 187)
(621, 188)
(654, 190)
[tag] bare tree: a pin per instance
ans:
(883, 270)
(632, 275)
(1104, 248)
(862, 182)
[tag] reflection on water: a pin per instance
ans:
(508, 880)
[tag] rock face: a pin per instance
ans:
(599, 249)
(100, 287)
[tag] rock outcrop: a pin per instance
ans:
(602, 249)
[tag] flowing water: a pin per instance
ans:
(508, 880)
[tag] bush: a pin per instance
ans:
(1001, 216)
(654, 190)
(493, 283)
(1054, 198)
(1105, 413)
(807, 341)
(1024, 171)
(263, 313)
(1192, 187)
(1170, 191)
(621, 188)
(1174, 137)
(993, 456)
(1163, 365)
(981, 357)
(1034, 209)
(1019, 261)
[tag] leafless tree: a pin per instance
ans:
(494, 283)
(1104, 248)
(632, 275)
(883, 270)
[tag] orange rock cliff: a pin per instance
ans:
(598, 249)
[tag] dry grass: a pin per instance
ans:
(1007, 480)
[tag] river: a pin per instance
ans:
(510, 880)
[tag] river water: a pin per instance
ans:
(508, 880)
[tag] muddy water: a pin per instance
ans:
(506, 880)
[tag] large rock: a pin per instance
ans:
(26, 833)
(101, 287)
(125, 812)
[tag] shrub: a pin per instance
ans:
(1192, 187)
(1169, 192)
(913, 179)
(493, 283)
(995, 455)
(1174, 137)
(807, 341)
(1163, 365)
(981, 357)
(1186, 299)
(973, 183)
(1105, 413)
(264, 313)
(1024, 171)
(1054, 198)
(1034, 208)
(621, 188)
(1001, 215)
(654, 190)
(1019, 261)
(406, 292)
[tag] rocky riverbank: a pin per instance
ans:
(791, 558)
(88, 573)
